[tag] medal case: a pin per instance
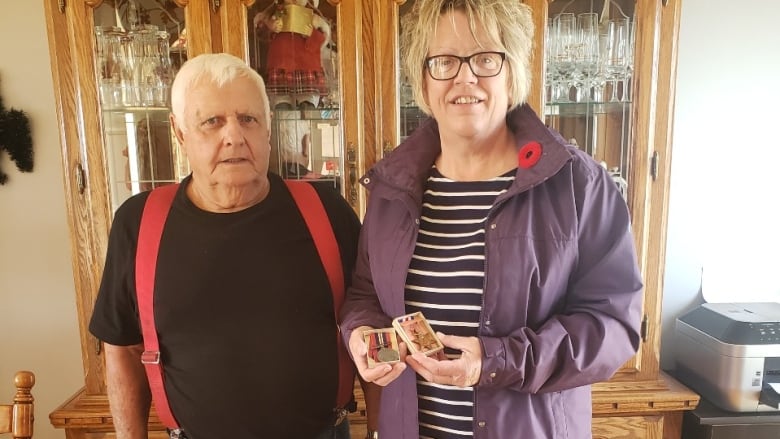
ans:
(417, 333)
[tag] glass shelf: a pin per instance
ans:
(122, 110)
(585, 108)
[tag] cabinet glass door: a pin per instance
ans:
(293, 45)
(588, 84)
(395, 115)
(140, 44)
(410, 116)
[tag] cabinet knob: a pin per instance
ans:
(387, 148)
(215, 4)
(654, 165)
(61, 6)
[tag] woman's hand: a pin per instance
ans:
(381, 374)
(461, 372)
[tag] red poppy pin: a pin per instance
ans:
(529, 154)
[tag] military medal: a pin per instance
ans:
(386, 355)
(382, 346)
(386, 352)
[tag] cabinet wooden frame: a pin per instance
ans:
(369, 84)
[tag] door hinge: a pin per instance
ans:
(81, 179)
(643, 329)
(654, 166)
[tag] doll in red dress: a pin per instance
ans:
(298, 34)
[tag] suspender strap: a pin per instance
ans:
(152, 222)
(149, 236)
(319, 225)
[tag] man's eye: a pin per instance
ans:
(247, 119)
(211, 121)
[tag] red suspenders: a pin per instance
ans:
(152, 223)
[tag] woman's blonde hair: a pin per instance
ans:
(508, 24)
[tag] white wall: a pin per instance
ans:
(724, 198)
(38, 327)
(724, 217)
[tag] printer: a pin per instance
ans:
(730, 354)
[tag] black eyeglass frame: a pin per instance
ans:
(467, 61)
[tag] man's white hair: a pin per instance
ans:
(219, 68)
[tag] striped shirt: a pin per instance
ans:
(445, 281)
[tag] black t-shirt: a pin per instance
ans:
(243, 309)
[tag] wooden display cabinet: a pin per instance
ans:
(364, 115)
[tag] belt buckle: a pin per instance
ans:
(339, 415)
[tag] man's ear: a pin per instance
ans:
(177, 131)
(305, 142)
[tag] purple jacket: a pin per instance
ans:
(562, 294)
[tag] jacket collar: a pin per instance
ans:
(407, 166)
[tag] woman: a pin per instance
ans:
(514, 245)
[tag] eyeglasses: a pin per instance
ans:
(482, 64)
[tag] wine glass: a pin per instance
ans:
(587, 54)
(629, 72)
(563, 53)
(616, 54)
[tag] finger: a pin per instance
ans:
(358, 350)
(452, 372)
(440, 355)
(396, 371)
(429, 363)
(372, 374)
(423, 366)
(437, 374)
(403, 351)
(357, 344)
(466, 344)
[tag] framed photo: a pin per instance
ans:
(417, 333)
(382, 346)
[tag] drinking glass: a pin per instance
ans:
(617, 55)
(563, 53)
(586, 55)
